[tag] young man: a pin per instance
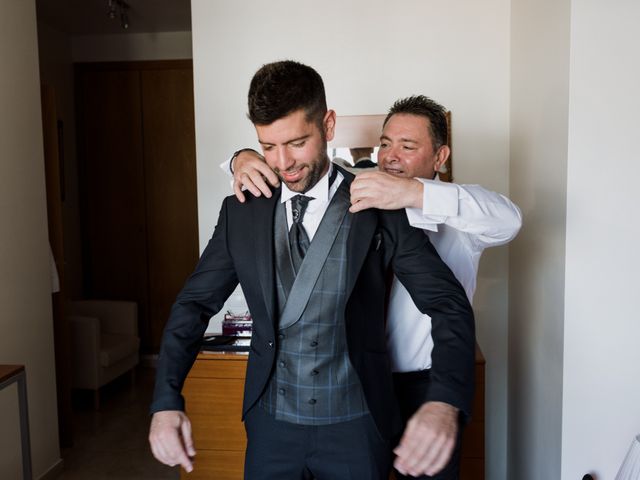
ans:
(460, 220)
(318, 393)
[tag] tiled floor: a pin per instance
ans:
(112, 443)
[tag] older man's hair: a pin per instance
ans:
(281, 88)
(424, 107)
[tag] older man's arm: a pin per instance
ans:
(374, 189)
(488, 218)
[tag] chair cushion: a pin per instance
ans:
(114, 347)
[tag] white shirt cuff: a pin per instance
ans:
(226, 167)
(439, 201)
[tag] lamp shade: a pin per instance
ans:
(630, 469)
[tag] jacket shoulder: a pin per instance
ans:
(232, 203)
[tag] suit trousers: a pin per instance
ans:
(410, 390)
(278, 450)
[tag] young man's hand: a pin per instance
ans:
(428, 441)
(250, 171)
(170, 439)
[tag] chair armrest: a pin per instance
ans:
(116, 316)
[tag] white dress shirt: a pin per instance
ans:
(461, 221)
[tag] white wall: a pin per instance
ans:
(602, 325)
(131, 47)
(25, 281)
(369, 54)
(539, 116)
(573, 355)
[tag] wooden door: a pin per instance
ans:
(110, 158)
(138, 185)
(170, 186)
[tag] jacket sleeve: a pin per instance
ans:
(437, 293)
(202, 296)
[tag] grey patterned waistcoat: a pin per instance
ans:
(313, 382)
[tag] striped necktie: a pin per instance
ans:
(298, 238)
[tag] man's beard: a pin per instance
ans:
(315, 171)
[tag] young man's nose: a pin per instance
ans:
(284, 160)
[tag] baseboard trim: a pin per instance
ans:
(54, 472)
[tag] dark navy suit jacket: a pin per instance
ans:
(242, 250)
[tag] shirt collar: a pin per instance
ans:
(320, 191)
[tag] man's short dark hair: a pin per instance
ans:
(281, 88)
(424, 107)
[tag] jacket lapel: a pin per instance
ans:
(363, 227)
(315, 258)
(264, 247)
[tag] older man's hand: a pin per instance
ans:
(250, 171)
(170, 439)
(384, 191)
(428, 441)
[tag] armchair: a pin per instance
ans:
(105, 342)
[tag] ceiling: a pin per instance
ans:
(90, 17)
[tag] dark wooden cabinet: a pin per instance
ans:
(137, 176)
(472, 461)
